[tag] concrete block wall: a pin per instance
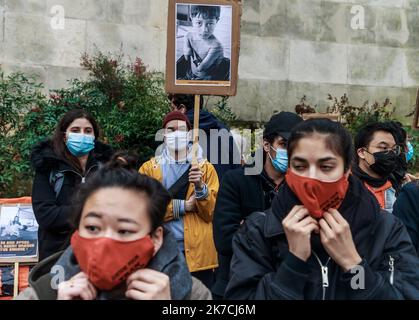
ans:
(289, 48)
(292, 48)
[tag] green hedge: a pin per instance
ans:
(127, 100)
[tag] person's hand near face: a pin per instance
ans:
(148, 284)
(78, 287)
(313, 158)
(410, 178)
(298, 226)
(336, 237)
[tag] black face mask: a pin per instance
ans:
(401, 168)
(385, 163)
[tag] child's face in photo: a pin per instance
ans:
(204, 27)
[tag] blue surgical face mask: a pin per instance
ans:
(280, 163)
(80, 144)
(410, 152)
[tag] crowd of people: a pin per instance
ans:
(329, 216)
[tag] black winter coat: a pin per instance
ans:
(53, 213)
(239, 195)
(263, 268)
(406, 208)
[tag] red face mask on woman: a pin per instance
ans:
(108, 262)
(316, 195)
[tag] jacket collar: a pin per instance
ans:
(359, 208)
(180, 280)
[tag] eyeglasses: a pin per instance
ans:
(396, 149)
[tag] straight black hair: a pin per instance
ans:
(337, 139)
(116, 175)
(207, 12)
(187, 100)
(125, 159)
(366, 133)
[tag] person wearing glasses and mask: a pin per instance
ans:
(377, 155)
(240, 194)
(325, 236)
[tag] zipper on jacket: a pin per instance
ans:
(83, 178)
(325, 274)
(391, 269)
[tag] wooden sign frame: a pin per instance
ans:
(202, 86)
(331, 116)
(415, 123)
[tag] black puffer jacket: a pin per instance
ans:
(263, 268)
(406, 208)
(53, 211)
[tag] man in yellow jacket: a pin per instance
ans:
(193, 188)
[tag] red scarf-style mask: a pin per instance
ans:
(108, 262)
(316, 195)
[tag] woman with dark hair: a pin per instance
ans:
(61, 164)
(325, 236)
(119, 248)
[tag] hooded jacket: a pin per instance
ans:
(263, 268)
(167, 260)
(53, 211)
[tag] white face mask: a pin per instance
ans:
(177, 140)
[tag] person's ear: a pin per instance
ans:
(157, 239)
(361, 153)
(266, 146)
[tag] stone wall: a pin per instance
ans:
(289, 48)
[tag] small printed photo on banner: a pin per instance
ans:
(18, 232)
(203, 44)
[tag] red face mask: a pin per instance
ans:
(316, 195)
(108, 262)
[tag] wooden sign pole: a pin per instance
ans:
(16, 280)
(416, 115)
(196, 129)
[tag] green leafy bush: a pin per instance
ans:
(355, 117)
(223, 111)
(127, 100)
(19, 95)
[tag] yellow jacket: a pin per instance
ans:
(198, 238)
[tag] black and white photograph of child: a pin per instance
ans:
(203, 42)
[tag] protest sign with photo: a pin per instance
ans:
(18, 234)
(203, 47)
